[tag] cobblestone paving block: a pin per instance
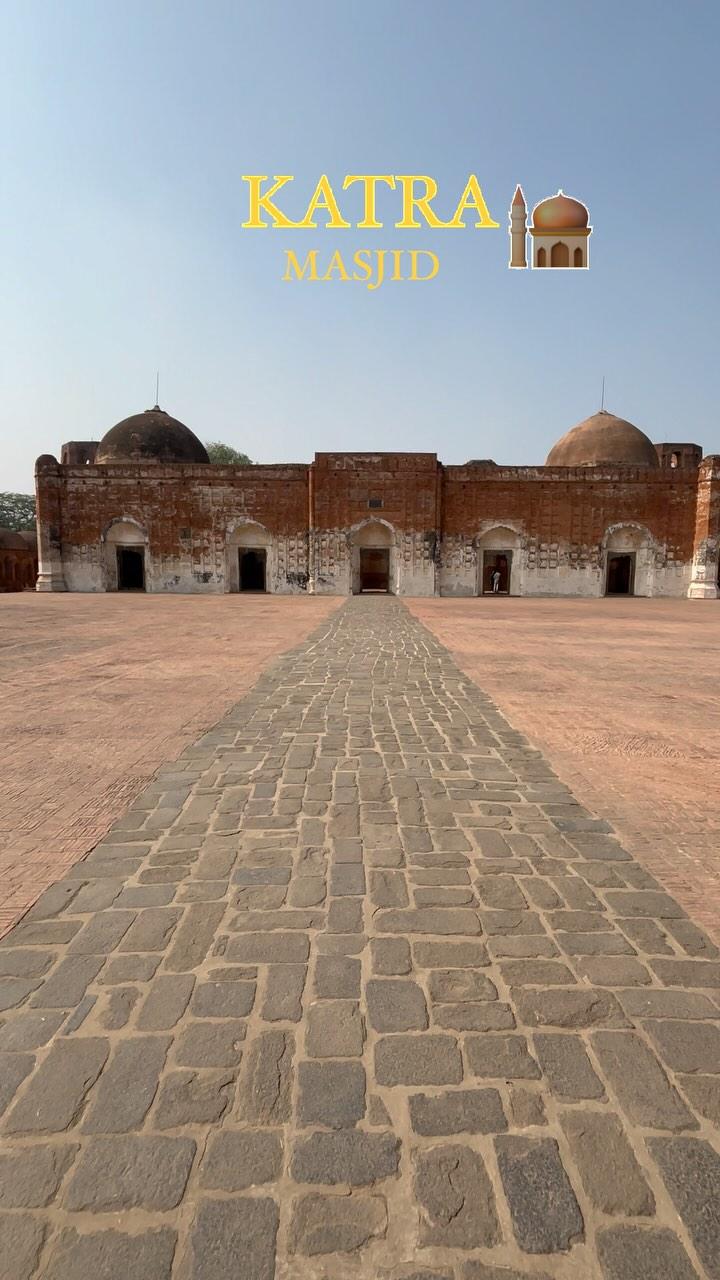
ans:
(67, 984)
(636, 1253)
(237, 1160)
(610, 1172)
(233, 1237)
(450, 955)
(31, 1029)
(166, 1002)
(331, 1093)
(456, 1198)
(347, 1156)
(223, 999)
(125, 1172)
(545, 1215)
(395, 1004)
(703, 1092)
(457, 1111)
(21, 1239)
(25, 964)
(193, 937)
(324, 1224)
(31, 1175)
(474, 1016)
(527, 1108)
(455, 986)
(420, 1059)
(191, 1097)
(337, 977)
(266, 1079)
(390, 956)
(501, 1057)
(687, 1046)
(284, 986)
(128, 1084)
(567, 1067)
(210, 1044)
(52, 1100)
(569, 1008)
(112, 1255)
(640, 1083)
(334, 1029)
(691, 1172)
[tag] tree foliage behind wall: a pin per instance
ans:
(225, 456)
(17, 511)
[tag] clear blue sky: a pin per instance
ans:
(126, 128)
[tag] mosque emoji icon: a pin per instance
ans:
(559, 231)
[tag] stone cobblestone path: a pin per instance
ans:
(356, 989)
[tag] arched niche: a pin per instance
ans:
(373, 557)
(628, 560)
(250, 557)
(125, 555)
(497, 549)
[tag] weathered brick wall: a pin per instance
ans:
(192, 519)
(560, 519)
(436, 521)
(406, 486)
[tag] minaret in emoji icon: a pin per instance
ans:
(518, 224)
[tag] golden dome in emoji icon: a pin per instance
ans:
(560, 213)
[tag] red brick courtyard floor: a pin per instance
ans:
(623, 697)
(96, 692)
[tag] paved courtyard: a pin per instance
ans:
(624, 697)
(96, 692)
(357, 989)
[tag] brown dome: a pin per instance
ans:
(152, 436)
(560, 213)
(603, 440)
(12, 541)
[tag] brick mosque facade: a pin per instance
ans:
(609, 513)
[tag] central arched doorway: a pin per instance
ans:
(248, 558)
(373, 558)
(559, 255)
(497, 549)
(125, 556)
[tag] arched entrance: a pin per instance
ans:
(249, 558)
(559, 255)
(373, 558)
(125, 556)
(497, 549)
(629, 556)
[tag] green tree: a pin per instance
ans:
(17, 511)
(225, 456)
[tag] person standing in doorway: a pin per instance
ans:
(495, 580)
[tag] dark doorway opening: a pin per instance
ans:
(131, 568)
(620, 575)
(496, 562)
(374, 568)
(252, 569)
